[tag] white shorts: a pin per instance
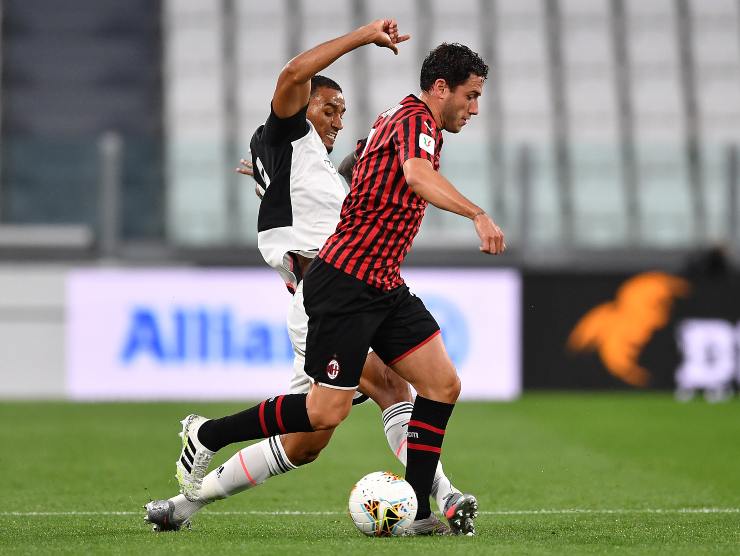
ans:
(297, 330)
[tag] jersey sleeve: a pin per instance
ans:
(278, 130)
(415, 138)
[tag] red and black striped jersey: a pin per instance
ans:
(381, 215)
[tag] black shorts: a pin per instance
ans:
(346, 316)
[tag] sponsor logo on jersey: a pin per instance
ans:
(619, 330)
(426, 143)
(391, 111)
(332, 369)
(412, 434)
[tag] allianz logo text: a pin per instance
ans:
(201, 335)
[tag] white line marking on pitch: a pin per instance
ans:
(567, 511)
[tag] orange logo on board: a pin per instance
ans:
(619, 330)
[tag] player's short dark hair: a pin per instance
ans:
(318, 81)
(452, 62)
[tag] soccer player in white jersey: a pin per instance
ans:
(302, 196)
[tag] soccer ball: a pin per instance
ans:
(382, 505)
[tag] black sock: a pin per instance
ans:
(278, 415)
(424, 445)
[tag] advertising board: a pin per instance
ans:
(221, 334)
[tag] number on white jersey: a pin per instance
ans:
(263, 173)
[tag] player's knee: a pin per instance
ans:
(456, 387)
(329, 417)
(306, 455)
(449, 389)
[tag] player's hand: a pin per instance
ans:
(386, 34)
(245, 167)
(491, 236)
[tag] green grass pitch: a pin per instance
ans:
(554, 474)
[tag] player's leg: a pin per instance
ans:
(410, 341)
(393, 396)
(322, 409)
(431, 372)
(301, 448)
(253, 465)
(276, 455)
(246, 469)
(383, 385)
(335, 350)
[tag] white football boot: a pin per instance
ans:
(194, 458)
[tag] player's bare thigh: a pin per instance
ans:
(328, 407)
(381, 384)
(431, 372)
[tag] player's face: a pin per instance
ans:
(461, 103)
(325, 111)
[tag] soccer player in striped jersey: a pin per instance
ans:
(301, 200)
(354, 294)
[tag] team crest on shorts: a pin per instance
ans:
(332, 369)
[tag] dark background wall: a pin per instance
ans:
(73, 70)
(658, 322)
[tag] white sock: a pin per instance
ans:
(395, 423)
(246, 469)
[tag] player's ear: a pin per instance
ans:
(440, 88)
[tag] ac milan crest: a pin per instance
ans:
(332, 369)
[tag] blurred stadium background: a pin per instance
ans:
(606, 147)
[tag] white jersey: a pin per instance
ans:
(302, 192)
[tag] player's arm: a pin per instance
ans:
(437, 190)
(294, 83)
(347, 166)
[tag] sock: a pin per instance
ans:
(423, 447)
(395, 424)
(442, 487)
(246, 469)
(278, 415)
(184, 508)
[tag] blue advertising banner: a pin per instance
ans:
(221, 334)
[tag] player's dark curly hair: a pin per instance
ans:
(318, 81)
(452, 62)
